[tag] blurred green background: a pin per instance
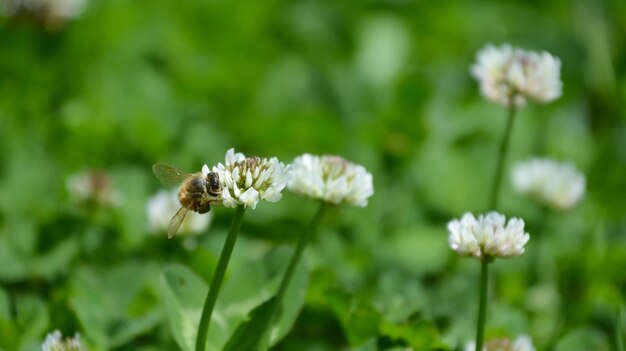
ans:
(385, 84)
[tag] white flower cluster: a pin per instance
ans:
(332, 179)
(52, 9)
(558, 185)
(54, 342)
(162, 206)
(522, 343)
(94, 187)
(247, 180)
(509, 76)
(489, 236)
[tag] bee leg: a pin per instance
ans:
(203, 208)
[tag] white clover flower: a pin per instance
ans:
(489, 236)
(94, 187)
(332, 179)
(522, 343)
(54, 342)
(50, 9)
(247, 180)
(162, 206)
(558, 185)
(510, 76)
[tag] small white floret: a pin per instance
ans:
(248, 180)
(161, 208)
(555, 184)
(522, 343)
(332, 179)
(54, 342)
(489, 236)
(509, 76)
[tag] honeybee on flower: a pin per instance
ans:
(196, 191)
(163, 205)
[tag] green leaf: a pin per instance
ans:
(9, 335)
(250, 286)
(292, 303)
(32, 317)
(103, 302)
(359, 319)
(254, 332)
(370, 345)
(250, 334)
(5, 305)
(182, 292)
(421, 335)
(583, 339)
(128, 329)
(12, 265)
(57, 259)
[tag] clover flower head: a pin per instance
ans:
(54, 342)
(163, 205)
(556, 184)
(247, 180)
(489, 236)
(510, 76)
(51, 10)
(331, 179)
(93, 187)
(522, 343)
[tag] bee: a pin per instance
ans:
(196, 191)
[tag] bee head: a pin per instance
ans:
(214, 187)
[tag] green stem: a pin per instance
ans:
(482, 305)
(535, 253)
(297, 255)
(304, 239)
(502, 151)
(618, 330)
(218, 277)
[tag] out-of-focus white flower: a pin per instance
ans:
(162, 206)
(558, 185)
(489, 236)
(93, 187)
(522, 343)
(247, 180)
(332, 179)
(49, 9)
(509, 76)
(54, 342)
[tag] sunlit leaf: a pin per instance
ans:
(102, 300)
(262, 330)
(32, 317)
(248, 288)
(583, 339)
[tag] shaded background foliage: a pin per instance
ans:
(383, 83)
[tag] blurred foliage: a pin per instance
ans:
(382, 83)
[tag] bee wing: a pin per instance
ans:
(168, 175)
(176, 221)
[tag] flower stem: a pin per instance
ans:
(218, 277)
(618, 330)
(482, 304)
(304, 239)
(502, 151)
(302, 242)
(535, 254)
